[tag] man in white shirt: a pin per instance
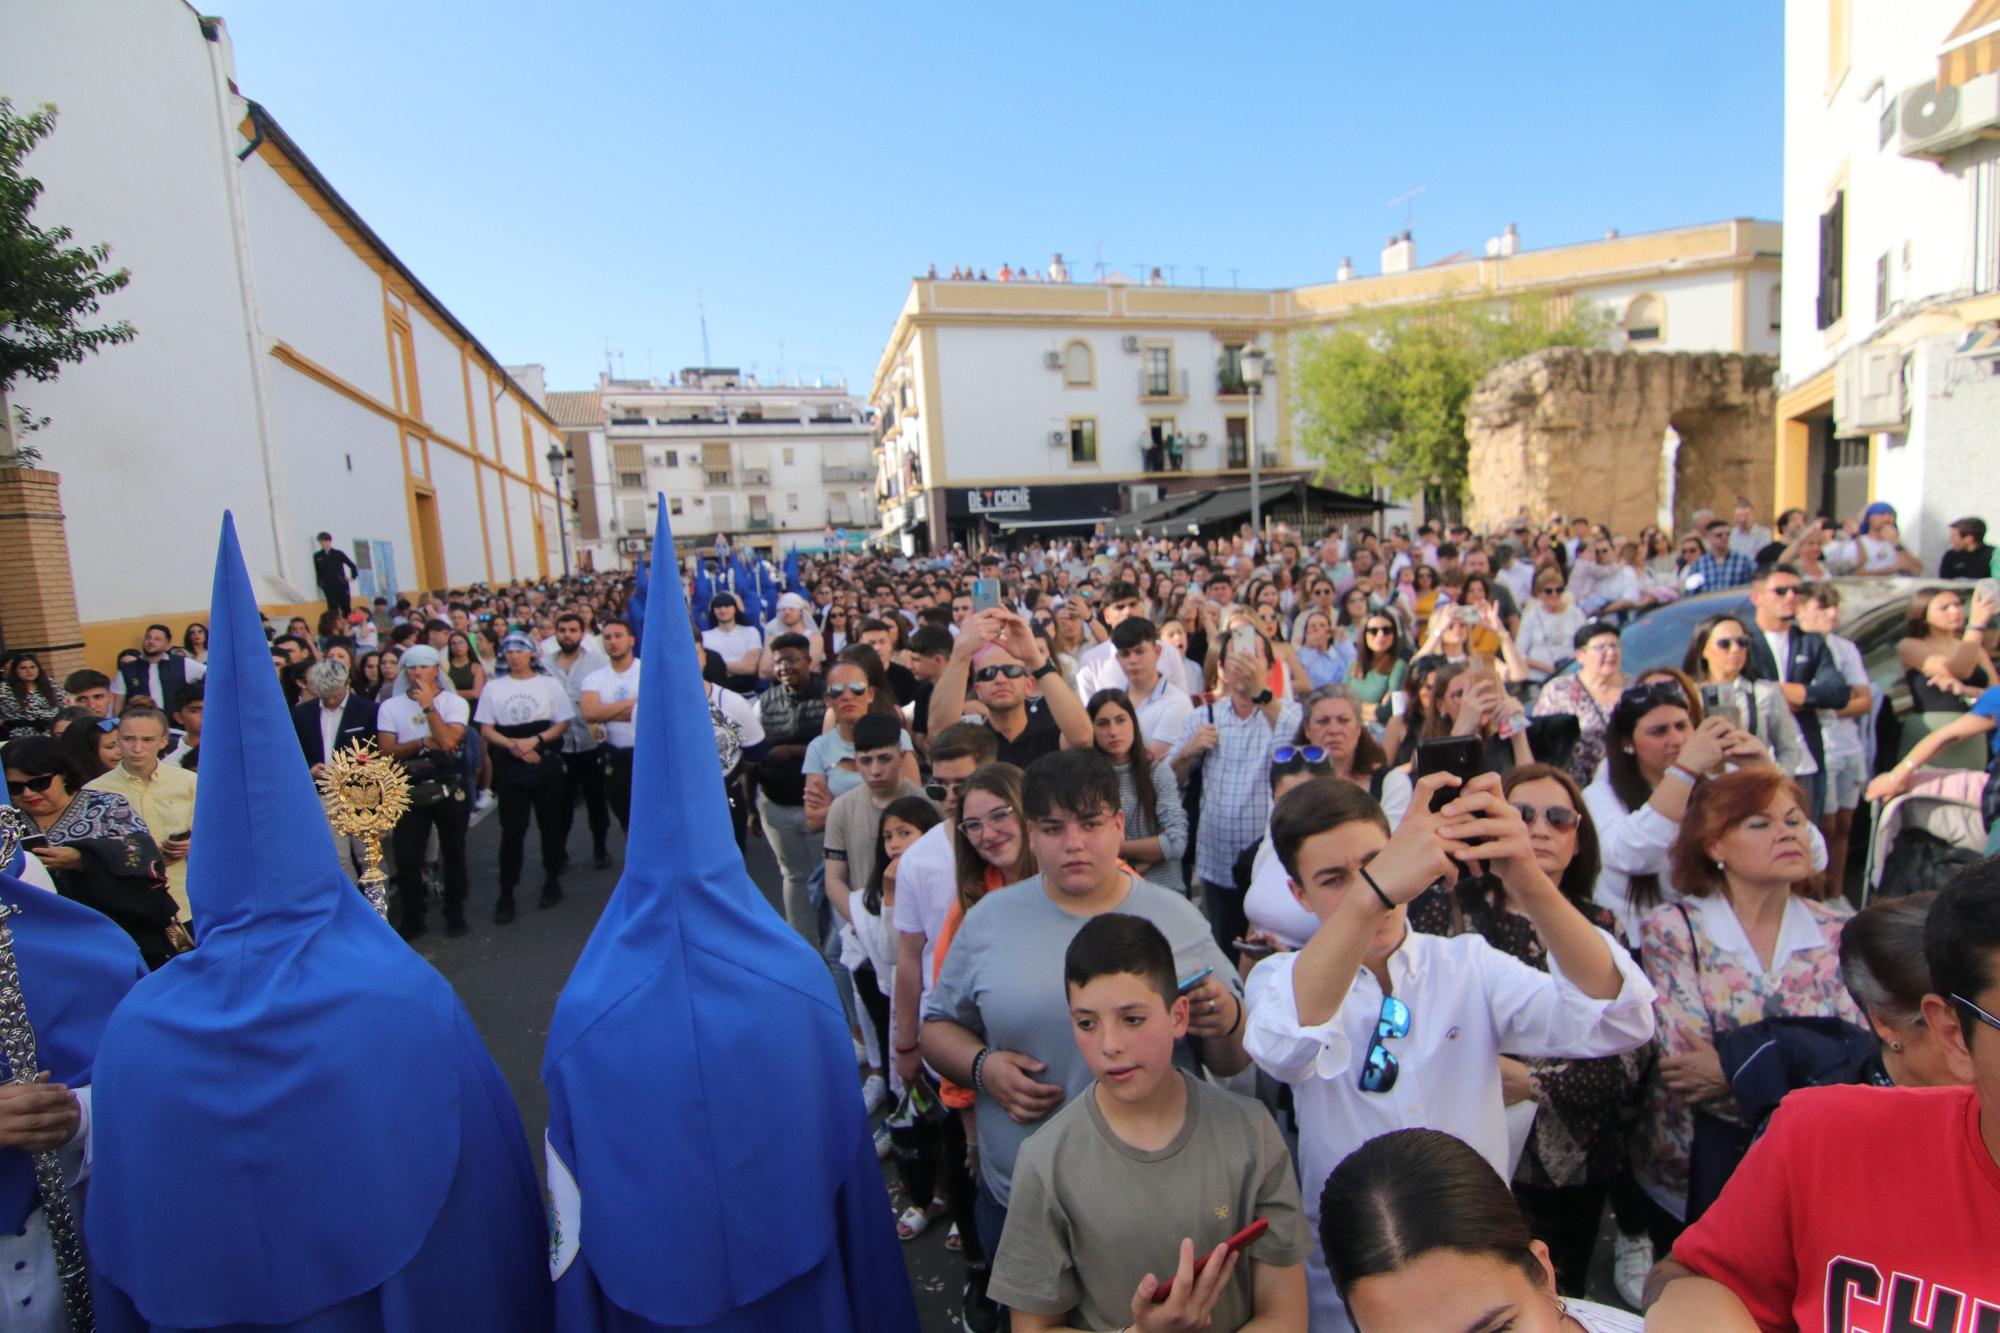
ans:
(1162, 705)
(572, 663)
(791, 619)
(423, 725)
(1097, 667)
(1377, 1027)
(1747, 536)
(738, 645)
(158, 673)
(609, 697)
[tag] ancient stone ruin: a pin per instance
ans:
(1622, 438)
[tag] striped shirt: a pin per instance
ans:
(1235, 782)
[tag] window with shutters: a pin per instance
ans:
(1832, 260)
(1645, 319)
(1082, 441)
(1079, 365)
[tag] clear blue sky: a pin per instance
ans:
(560, 174)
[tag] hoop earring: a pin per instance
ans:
(1896, 1046)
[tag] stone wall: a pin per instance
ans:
(1583, 433)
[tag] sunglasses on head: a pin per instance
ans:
(36, 785)
(1653, 695)
(1285, 754)
(857, 688)
(1011, 670)
(1559, 817)
(106, 724)
(1380, 1066)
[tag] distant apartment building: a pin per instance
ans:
(770, 466)
(1015, 407)
(1891, 358)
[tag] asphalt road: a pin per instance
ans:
(509, 976)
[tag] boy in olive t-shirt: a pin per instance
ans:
(1141, 1180)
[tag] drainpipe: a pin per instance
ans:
(219, 57)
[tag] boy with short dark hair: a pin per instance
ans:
(855, 815)
(1126, 1186)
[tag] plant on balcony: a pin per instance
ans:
(47, 286)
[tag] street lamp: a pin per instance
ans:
(1252, 363)
(556, 460)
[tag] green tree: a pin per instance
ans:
(1380, 400)
(48, 288)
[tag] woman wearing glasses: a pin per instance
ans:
(1588, 695)
(1548, 627)
(1742, 945)
(1156, 826)
(853, 688)
(1716, 658)
(1379, 664)
(1576, 1148)
(1376, 1026)
(97, 849)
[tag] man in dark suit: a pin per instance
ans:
(335, 719)
(1800, 663)
(331, 570)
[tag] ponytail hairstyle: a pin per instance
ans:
(1403, 1194)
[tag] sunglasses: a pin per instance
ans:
(857, 688)
(36, 785)
(1552, 589)
(937, 791)
(1380, 1067)
(1558, 817)
(1659, 692)
(1382, 629)
(1988, 1019)
(1011, 670)
(1727, 643)
(1285, 754)
(106, 724)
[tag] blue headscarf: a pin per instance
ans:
(283, 1116)
(75, 965)
(709, 1161)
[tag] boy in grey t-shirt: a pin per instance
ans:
(1142, 1178)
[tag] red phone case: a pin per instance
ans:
(1238, 1242)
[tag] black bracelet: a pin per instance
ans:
(1239, 1016)
(978, 1063)
(1369, 880)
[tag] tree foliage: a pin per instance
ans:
(49, 288)
(1380, 400)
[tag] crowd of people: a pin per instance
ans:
(1341, 883)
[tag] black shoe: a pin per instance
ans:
(411, 927)
(980, 1311)
(503, 911)
(601, 858)
(455, 927)
(551, 893)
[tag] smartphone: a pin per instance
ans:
(1720, 701)
(1399, 704)
(1189, 983)
(1467, 615)
(985, 595)
(1462, 756)
(1987, 588)
(30, 842)
(1236, 1244)
(182, 836)
(1254, 948)
(1243, 641)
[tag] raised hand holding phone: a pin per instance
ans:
(1184, 1302)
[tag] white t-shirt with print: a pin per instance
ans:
(403, 718)
(612, 686)
(507, 702)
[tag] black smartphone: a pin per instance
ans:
(182, 836)
(1462, 756)
(33, 841)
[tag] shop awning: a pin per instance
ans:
(1193, 511)
(1032, 524)
(1973, 46)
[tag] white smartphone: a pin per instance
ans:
(1243, 641)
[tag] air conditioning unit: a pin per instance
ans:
(1058, 438)
(1201, 439)
(1868, 391)
(1145, 495)
(1053, 360)
(1131, 343)
(1931, 121)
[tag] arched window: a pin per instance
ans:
(1645, 318)
(1079, 365)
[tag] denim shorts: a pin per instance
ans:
(1846, 776)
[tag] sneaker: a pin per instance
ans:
(551, 893)
(980, 1311)
(860, 1053)
(1631, 1260)
(883, 1145)
(503, 911)
(484, 806)
(874, 1093)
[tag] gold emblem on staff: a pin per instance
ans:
(366, 793)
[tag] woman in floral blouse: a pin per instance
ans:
(29, 700)
(1743, 945)
(1589, 694)
(1578, 1144)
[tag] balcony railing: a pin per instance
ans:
(1239, 456)
(1170, 456)
(838, 472)
(1154, 385)
(760, 522)
(757, 476)
(1230, 384)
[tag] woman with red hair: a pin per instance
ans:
(1744, 946)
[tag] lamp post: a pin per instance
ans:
(1252, 363)
(556, 460)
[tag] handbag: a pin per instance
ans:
(1719, 1145)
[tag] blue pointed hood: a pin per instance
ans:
(702, 1183)
(302, 1063)
(75, 966)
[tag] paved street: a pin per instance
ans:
(509, 977)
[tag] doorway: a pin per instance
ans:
(430, 540)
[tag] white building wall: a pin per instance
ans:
(153, 439)
(344, 469)
(458, 515)
(440, 375)
(1700, 311)
(520, 512)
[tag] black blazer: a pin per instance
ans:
(357, 724)
(1812, 665)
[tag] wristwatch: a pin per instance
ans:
(1262, 697)
(1046, 668)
